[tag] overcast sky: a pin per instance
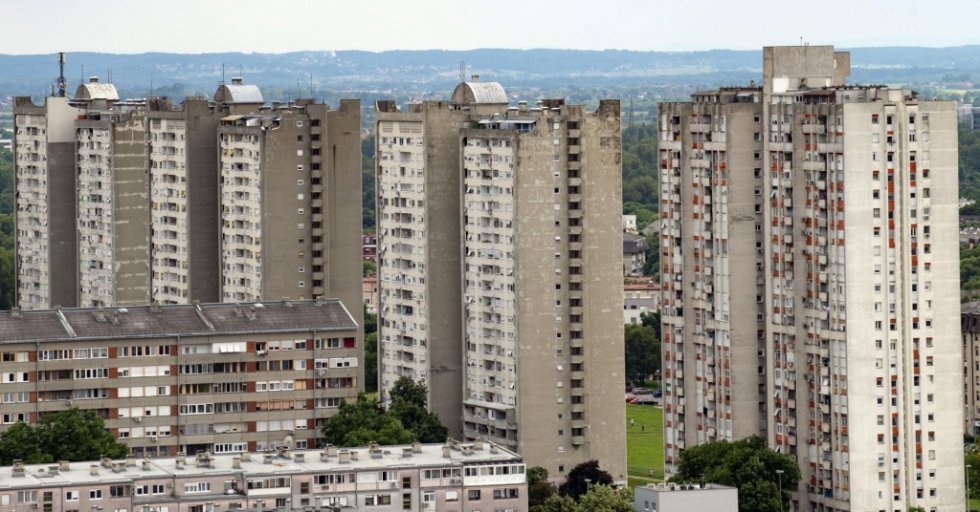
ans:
(275, 26)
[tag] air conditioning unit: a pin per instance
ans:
(153, 439)
(138, 419)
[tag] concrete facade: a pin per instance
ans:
(499, 256)
(850, 391)
(970, 322)
(146, 218)
(685, 498)
(418, 478)
(207, 377)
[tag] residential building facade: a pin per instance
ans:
(453, 477)
(970, 322)
(499, 256)
(640, 296)
(185, 378)
(174, 204)
(808, 245)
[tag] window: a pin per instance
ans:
(452, 496)
(95, 494)
(197, 487)
(473, 495)
(71, 496)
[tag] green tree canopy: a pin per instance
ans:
(371, 362)
(642, 352)
(72, 435)
(557, 503)
(539, 489)
(603, 498)
(582, 477)
(363, 422)
(408, 405)
(747, 464)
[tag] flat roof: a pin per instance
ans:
(256, 464)
(72, 324)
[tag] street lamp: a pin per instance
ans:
(588, 485)
(779, 475)
(968, 486)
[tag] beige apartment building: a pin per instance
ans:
(809, 271)
(289, 227)
(500, 270)
(185, 378)
(152, 208)
(455, 477)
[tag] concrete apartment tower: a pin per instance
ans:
(289, 225)
(832, 336)
(44, 174)
(126, 203)
(501, 267)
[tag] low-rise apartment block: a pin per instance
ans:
(191, 378)
(452, 478)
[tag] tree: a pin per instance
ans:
(368, 268)
(582, 476)
(652, 320)
(363, 422)
(77, 435)
(408, 405)
(539, 489)
(747, 464)
(557, 503)
(642, 352)
(973, 460)
(72, 435)
(20, 442)
(371, 362)
(603, 498)
(370, 322)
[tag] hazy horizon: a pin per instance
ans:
(253, 26)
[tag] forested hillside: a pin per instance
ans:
(6, 229)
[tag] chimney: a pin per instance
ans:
(93, 79)
(406, 453)
(146, 465)
(236, 80)
(18, 469)
(299, 457)
(478, 444)
(236, 462)
(416, 447)
(353, 455)
(494, 449)
(131, 462)
(267, 458)
(63, 465)
(344, 457)
(447, 451)
(53, 470)
(93, 470)
(522, 106)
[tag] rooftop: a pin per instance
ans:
(256, 464)
(476, 92)
(95, 90)
(237, 92)
(174, 320)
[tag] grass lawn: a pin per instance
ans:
(644, 444)
(974, 505)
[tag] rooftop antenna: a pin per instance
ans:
(151, 83)
(62, 83)
(222, 73)
(462, 71)
(311, 85)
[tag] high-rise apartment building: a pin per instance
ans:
(142, 181)
(500, 270)
(809, 275)
(289, 225)
(44, 174)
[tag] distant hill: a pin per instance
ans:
(438, 69)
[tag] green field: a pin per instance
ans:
(644, 444)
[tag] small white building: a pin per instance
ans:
(685, 498)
